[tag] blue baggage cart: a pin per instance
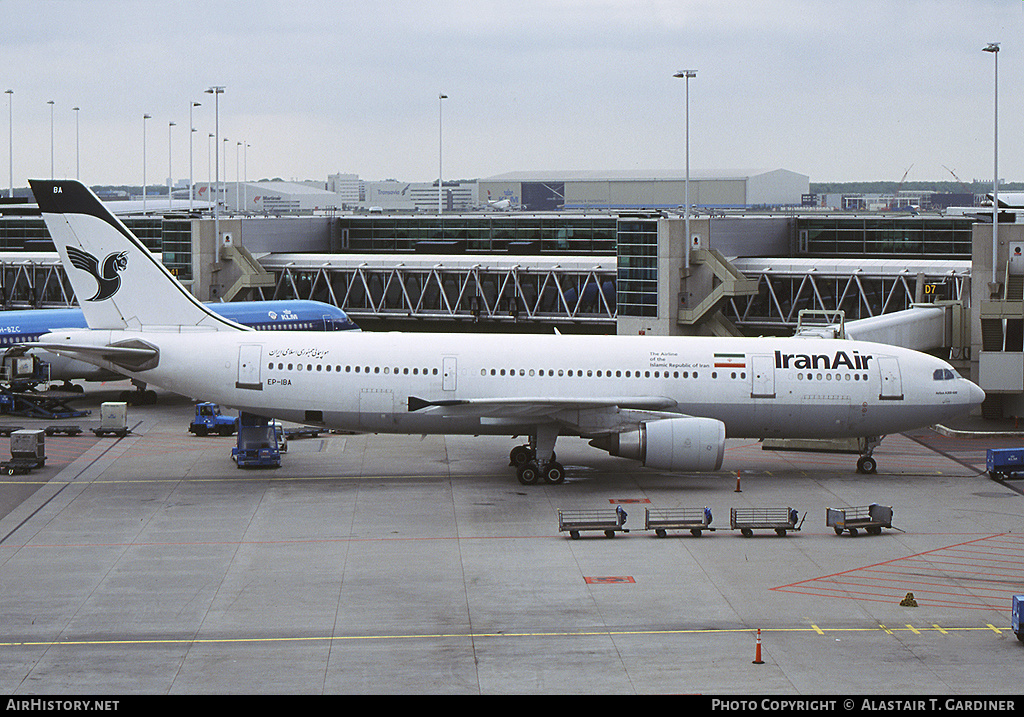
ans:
(1016, 616)
(1004, 462)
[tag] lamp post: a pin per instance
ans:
(170, 175)
(225, 142)
(238, 183)
(78, 165)
(993, 47)
(50, 102)
(686, 75)
(245, 177)
(441, 97)
(10, 139)
(216, 91)
(144, 118)
(209, 165)
(191, 131)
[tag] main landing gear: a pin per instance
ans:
(535, 462)
(141, 396)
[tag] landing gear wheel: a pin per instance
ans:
(554, 473)
(519, 456)
(867, 464)
(528, 473)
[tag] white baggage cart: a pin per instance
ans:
(661, 520)
(609, 521)
(871, 518)
(781, 520)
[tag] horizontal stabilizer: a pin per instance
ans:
(131, 355)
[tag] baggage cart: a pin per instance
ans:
(1017, 616)
(17, 466)
(871, 518)
(1004, 462)
(113, 419)
(781, 520)
(28, 451)
(661, 520)
(607, 520)
(63, 430)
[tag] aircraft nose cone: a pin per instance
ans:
(977, 395)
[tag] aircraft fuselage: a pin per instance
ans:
(797, 388)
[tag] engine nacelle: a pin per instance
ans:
(681, 444)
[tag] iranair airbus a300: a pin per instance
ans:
(668, 402)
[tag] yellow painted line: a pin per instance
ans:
(252, 476)
(475, 636)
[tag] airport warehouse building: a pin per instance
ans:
(525, 191)
(552, 191)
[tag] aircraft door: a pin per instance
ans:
(250, 359)
(762, 376)
(892, 382)
(449, 371)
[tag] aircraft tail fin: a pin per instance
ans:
(119, 282)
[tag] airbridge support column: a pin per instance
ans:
(997, 321)
(658, 293)
(210, 280)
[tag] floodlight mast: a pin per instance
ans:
(686, 75)
(216, 91)
(993, 47)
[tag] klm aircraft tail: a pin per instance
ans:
(119, 283)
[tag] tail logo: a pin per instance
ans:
(108, 282)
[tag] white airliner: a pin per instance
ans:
(669, 402)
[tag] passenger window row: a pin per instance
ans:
(829, 377)
(328, 368)
(589, 373)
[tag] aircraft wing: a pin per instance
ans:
(587, 416)
(538, 405)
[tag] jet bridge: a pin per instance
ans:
(919, 304)
(504, 289)
(923, 327)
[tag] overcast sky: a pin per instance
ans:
(839, 91)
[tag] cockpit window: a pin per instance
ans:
(943, 374)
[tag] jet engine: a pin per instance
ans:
(681, 444)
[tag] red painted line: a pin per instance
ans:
(890, 580)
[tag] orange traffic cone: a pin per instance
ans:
(738, 483)
(757, 653)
